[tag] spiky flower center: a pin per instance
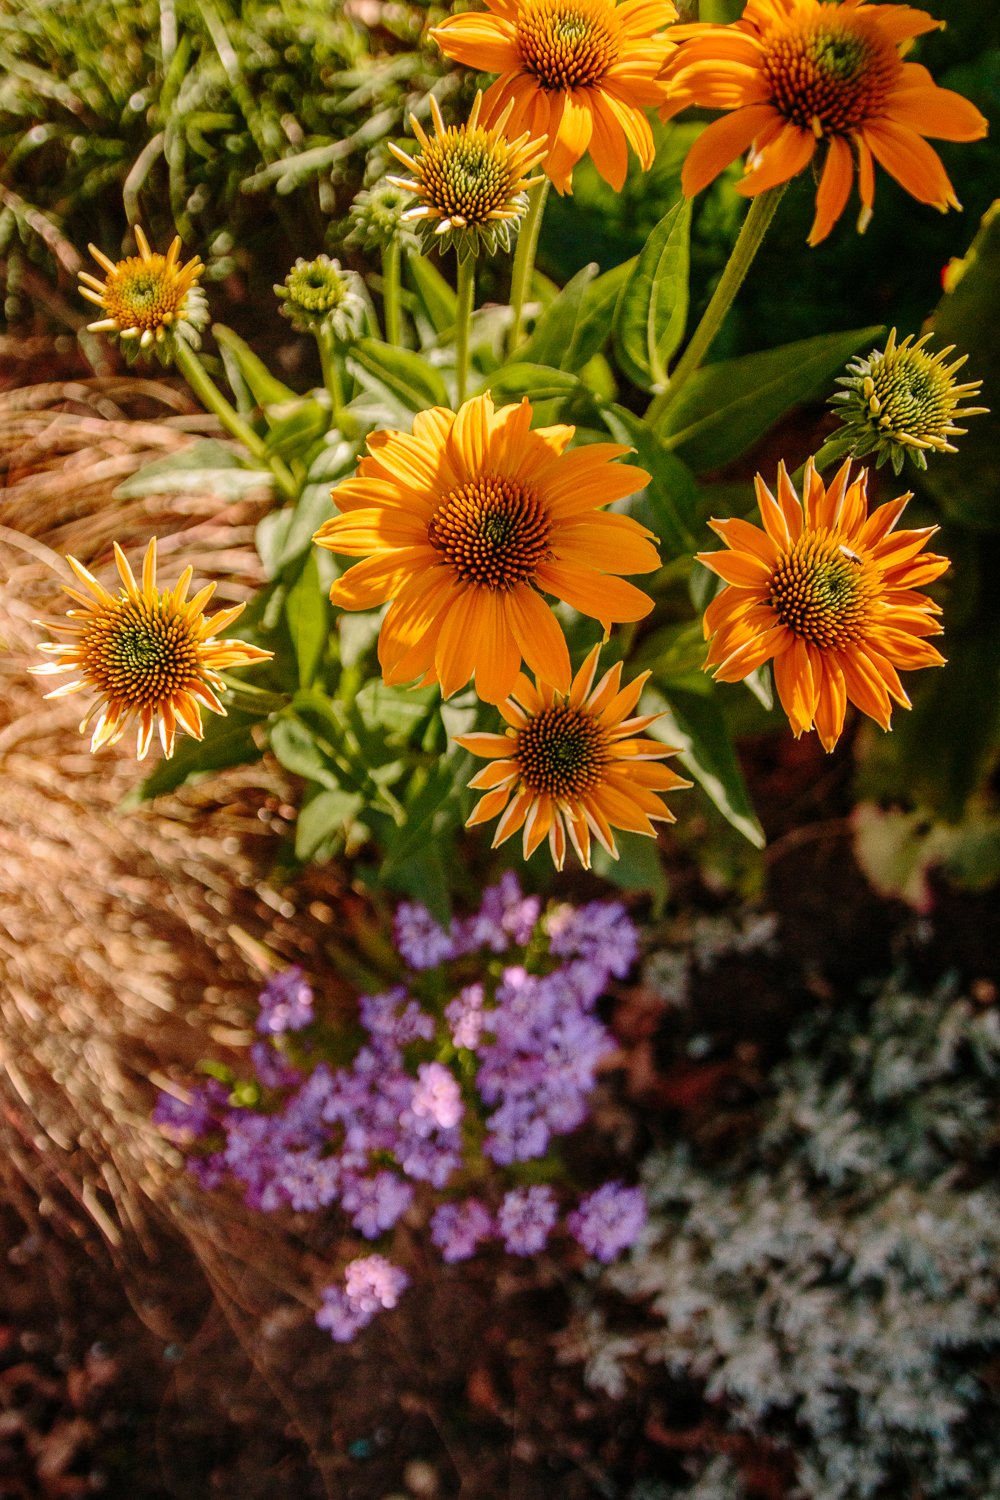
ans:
(822, 590)
(562, 751)
(146, 294)
(829, 75)
(911, 395)
(465, 175)
(140, 654)
(567, 44)
(492, 531)
(316, 286)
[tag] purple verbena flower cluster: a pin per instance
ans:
(361, 1135)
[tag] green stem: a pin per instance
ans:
(755, 226)
(463, 317)
(837, 446)
(390, 293)
(331, 374)
(212, 398)
(524, 258)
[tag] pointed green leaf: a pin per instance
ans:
(206, 465)
(552, 336)
(294, 743)
(307, 612)
(696, 725)
(266, 390)
(672, 490)
(597, 313)
(540, 381)
(228, 742)
(651, 311)
(407, 376)
(437, 298)
(295, 427)
(724, 408)
(323, 818)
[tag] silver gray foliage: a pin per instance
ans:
(837, 1285)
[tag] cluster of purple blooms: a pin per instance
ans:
(339, 1136)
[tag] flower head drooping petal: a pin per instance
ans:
(465, 524)
(903, 400)
(828, 593)
(572, 765)
(149, 301)
(149, 655)
(819, 82)
(471, 182)
(319, 294)
(579, 73)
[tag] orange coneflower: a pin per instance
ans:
(829, 594)
(470, 520)
(148, 300)
(149, 655)
(805, 77)
(573, 764)
(578, 72)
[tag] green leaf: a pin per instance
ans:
(206, 465)
(597, 312)
(295, 427)
(651, 312)
(552, 336)
(294, 743)
(436, 297)
(228, 742)
(696, 725)
(673, 651)
(540, 381)
(672, 489)
(637, 868)
(308, 616)
(967, 483)
(322, 818)
(434, 794)
(407, 375)
(266, 390)
(724, 408)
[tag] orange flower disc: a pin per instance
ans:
(578, 73)
(829, 594)
(804, 78)
(465, 525)
(572, 765)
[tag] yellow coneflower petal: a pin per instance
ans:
(826, 611)
(461, 533)
(146, 655)
(578, 72)
(803, 76)
(566, 771)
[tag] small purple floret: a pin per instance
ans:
(457, 1228)
(286, 1003)
(272, 1068)
(375, 1202)
(370, 1284)
(609, 1220)
(526, 1219)
(600, 931)
(422, 942)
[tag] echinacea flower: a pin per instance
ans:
(578, 72)
(149, 300)
(471, 182)
(148, 655)
(826, 82)
(465, 525)
(829, 594)
(318, 293)
(572, 763)
(904, 400)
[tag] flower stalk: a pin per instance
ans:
(466, 290)
(751, 237)
(213, 400)
(524, 258)
(390, 293)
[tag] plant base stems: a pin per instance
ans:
(390, 293)
(463, 317)
(212, 398)
(331, 375)
(524, 258)
(755, 226)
